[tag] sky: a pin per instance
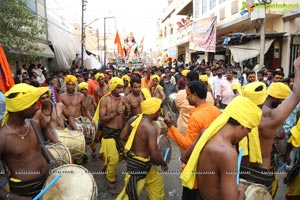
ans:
(137, 16)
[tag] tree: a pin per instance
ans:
(20, 29)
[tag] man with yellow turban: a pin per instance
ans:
(142, 154)
(213, 161)
(156, 89)
(127, 88)
(181, 83)
(75, 103)
(112, 117)
(102, 89)
(276, 108)
(137, 95)
(19, 147)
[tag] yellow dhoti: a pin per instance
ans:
(153, 182)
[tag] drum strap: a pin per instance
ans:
(51, 161)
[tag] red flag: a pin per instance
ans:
(118, 41)
(6, 79)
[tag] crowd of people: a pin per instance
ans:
(220, 110)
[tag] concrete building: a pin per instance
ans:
(235, 26)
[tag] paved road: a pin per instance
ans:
(173, 188)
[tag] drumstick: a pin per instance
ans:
(281, 167)
(166, 154)
(47, 187)
(239, 165)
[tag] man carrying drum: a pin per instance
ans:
(20, 151)
(51, 116)
(201, 117)
(214, 161)
(275, 111)
(112, 113)
(142, 154)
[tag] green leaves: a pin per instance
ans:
(20, 29)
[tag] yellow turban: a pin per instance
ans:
(241, 109)
(279, 90)
(149, 106)
(113, 84)
(126, 77)
(295, 135)
(27, 96)
(185, 72)
(155, 76)
(203, 78)
(237, 86)
(83, 85)
(257, 97)
(98, 75)
(71, 78)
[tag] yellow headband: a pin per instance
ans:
(126, 77)
(203, 78)
(155, 76)
(257, 97)
(71, 78)
(83, 85)
(114, 82)
(279, 90)
(151, 105)
(27, 96)
(98, 75)
(185, 72)
(242, 110)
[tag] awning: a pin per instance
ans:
(248, 50)
(46, 51)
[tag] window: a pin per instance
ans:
(31, 4)
(197, 9)
(204, 6)
(212, 4)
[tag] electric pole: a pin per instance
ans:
(84, 2)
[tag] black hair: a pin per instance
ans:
(233, 122)
(192, 76)
(199, 88)
(135, 79)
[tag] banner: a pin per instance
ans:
(6, 79)
(203, 37)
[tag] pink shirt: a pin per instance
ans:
(225, 91)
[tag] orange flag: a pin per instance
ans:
(6, 79)
(118, 41)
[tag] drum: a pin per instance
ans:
(75, 183)
(74, 140)
(161, 126)
(255, 191)
(60, 152)
(164, 147)
(86, 127)
(172, 103)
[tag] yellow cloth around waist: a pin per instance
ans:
(253, 144)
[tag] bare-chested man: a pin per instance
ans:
(90, 100)
(51, 116)
(274, 114)
(156, 89)
(214, 159)
(127, 88)
(74, 101)
(138, 95)
(141, 147)
(20, 151)
(103, 87)
(113, 114)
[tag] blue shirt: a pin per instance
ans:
(2, 105)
